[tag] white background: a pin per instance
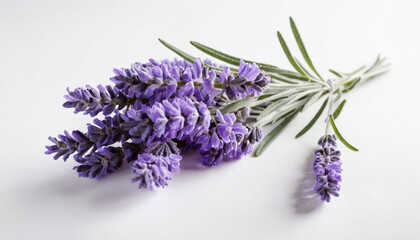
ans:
(46, 46)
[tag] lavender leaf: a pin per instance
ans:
(339, 108)
(339, 136)
(313, 120)
(302, 47)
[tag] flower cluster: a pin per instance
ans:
(227, 138)
(157, 109)
(327, 168)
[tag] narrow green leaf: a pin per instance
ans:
(340, 136)
(280, 117)
(225, 57)
(335, 73)
(377, 61)
(338, 92)
(286, 73)
(265, 95)
(339, 108)
(302, 47)
(267, 140)
(182, 54)
(352, 84)
(356, 71)
(303, 68)
(314, 119)
(281, 78)
(237, 105)
(289, 55)
(189, 57)
(236, 61)
(269, 109)
(377, 74)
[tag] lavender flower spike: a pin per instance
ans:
(93, 101)
(67, 144)
(327, 168)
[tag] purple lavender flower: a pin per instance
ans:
(253, 135)
(260, 82)
(156, 81)
(105, 132)
(227, 139)
(127, 81)
(327, 168)
(154, 170)
(176, 119)
(227, 127)
(255, 79)
(68, 144)
(163, 148)
(233, 87)
(98, 164)
(203, 122)
(137, 123)
(186, 119)
(249, 81)
(132, 150)
(206, 92)
(157, 115)
(210, 140)
(91, 101)
(211, 157)
(243, 114)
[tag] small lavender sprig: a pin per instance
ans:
(327, 168)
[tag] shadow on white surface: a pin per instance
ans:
(112, 192)
(306, 201)
(191, 162)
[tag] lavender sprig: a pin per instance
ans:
(157, 109)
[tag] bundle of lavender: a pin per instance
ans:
(153, 111)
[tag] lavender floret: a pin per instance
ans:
(154, 170)
(163, 148)
(250, 81)
(105, 132)
(227, 139)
